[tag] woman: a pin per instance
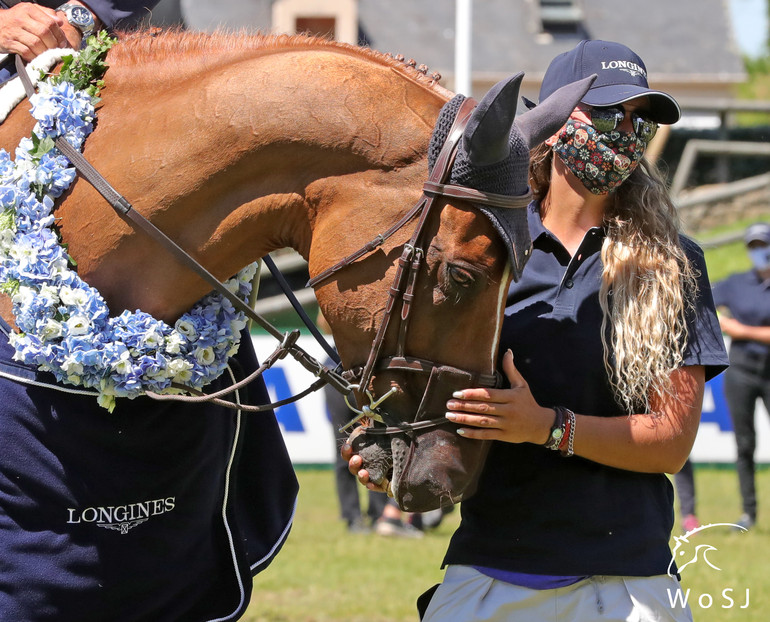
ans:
(609, 337)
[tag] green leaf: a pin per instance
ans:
(10, 287)
(40, 146)
(86, 70)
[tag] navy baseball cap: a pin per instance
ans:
(759, 232)
(621, 76)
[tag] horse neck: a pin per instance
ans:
(235, 163)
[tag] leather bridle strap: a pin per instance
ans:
(439, 174)
(421, 366)
(367, 248)
(122, 206)
(477, 196)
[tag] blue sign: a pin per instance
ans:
(718, 412)
(278, 387)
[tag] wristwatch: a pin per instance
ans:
(80, 17)
(557, 430)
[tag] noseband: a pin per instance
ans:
(408, 267)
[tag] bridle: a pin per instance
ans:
(402, 289)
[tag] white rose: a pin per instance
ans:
(24, 295)
(237, 325)
(179, 370)
(71, 367)
(59, 266)
(186, 328)
(205, 356)
(69, 296)
(50, 292)
(78, 325)
(173, 343)
(157, 374)
(19, 252)
(247, 274)
(6, 239)
(123, 365)
(51, 330)
(152, 339)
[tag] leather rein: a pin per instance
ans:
(403, 288)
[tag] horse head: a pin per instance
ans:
(446, 335)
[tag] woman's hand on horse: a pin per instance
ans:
(355, 466)
(510, 415)
(29, 29)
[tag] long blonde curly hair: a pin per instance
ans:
(648, 284)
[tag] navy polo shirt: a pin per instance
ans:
(535, 511)
(747, 297)
(157, 511)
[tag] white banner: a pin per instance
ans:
(310, 439)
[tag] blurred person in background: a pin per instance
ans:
(383, 515)
(685, 489)
(743, 301)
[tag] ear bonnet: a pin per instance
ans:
(493, 155)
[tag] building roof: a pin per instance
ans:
(683, 40)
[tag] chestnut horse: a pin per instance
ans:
(236, 146)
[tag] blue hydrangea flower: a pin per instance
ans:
(65, 323)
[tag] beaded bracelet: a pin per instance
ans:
(569, 434)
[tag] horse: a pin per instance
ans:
(239, 145)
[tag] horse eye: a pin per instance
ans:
(460, 277)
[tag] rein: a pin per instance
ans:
(402, 289)
(124, 208)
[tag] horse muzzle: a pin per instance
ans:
(426, 462)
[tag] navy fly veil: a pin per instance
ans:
(507, 177)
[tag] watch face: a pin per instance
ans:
(80, 15)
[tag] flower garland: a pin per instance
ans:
(65, 324)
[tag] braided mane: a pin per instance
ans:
(169, 48)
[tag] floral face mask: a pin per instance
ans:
(601, 161)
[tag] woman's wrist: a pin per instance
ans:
(562, 432)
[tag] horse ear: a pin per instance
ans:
(486, 136)
(545, 119)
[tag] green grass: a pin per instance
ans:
(324, 574)
(727, 259)
(742, 557)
